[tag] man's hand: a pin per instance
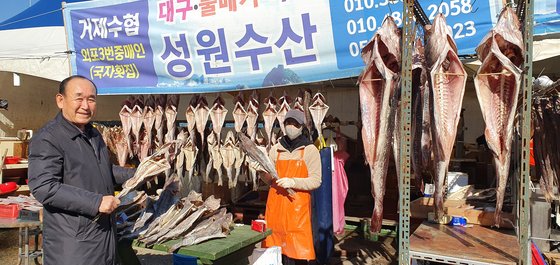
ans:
(286, 183)
(108, 204)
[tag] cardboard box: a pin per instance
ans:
(420, 208)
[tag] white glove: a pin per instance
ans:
(256, 165)
(286, 183)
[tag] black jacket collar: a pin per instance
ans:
(292, 145)
(72, 130)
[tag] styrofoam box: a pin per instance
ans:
(456, 180)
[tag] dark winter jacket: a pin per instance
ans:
(69, 173)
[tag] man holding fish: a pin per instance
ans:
(71, 174)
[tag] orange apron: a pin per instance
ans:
(290, 217)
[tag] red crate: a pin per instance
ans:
(9, 210)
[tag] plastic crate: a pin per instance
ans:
(9, 210)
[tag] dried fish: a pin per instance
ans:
(136, 120)
(318, 111)
(218, 115)
(190, 114)
(239, 113)
(201, 115)
(210, 205)
(215, 159)
(227, 153)
(159, 117)
(284, 107)
(170, 116)
(261, 158)
(448, 80)
(377, 84)
(252, 115)
(269, 116)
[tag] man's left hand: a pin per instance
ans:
(286, 183)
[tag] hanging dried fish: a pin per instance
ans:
(190, 114)
(171, 115)
(201, 115)
(318, 111)
(269, 116)
(136, 120)
(215, 159)
(252, 115)
(497, 85)
(284, 107)
(239, 113)
(377, 83)
(159, 117)
(218, 115)
(227, 153)
(149, 119)
(448, 80)
(124, 115)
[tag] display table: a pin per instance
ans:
(26, 229)
(234, 249)
(464, 245)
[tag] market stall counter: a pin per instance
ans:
(27, 229)
(464, 245)
(234, 249)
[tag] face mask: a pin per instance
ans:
(293, 132)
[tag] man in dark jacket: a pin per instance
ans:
(71, 175)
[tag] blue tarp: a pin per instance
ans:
(44, 13)
(322, 218)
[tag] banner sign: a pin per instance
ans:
(547, 17)
(201, 46)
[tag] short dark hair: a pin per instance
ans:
(63, 83)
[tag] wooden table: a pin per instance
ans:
(464, 245)
(26, 229)
(234, 249)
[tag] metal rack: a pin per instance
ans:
(404, 169)
(405, 130)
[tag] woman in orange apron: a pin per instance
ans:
(298, 164)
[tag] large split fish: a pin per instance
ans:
(497, 85)
(421, 136)
(377, 83)
(448, 80)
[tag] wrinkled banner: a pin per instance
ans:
(200, 46)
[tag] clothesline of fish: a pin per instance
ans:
(149, 122)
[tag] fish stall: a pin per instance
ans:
(199, 145)
(429, 89)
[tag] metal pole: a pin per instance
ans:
(405, 123)
(524, 227)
